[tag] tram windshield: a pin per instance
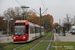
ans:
(20, 30)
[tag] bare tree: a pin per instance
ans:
(14, 13)
(67, 22)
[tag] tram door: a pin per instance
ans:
(27, 32)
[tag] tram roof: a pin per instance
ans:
(21, 21)
(25, 21)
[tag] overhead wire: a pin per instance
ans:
(34, 9)
(31, 8)
(18, 2)
(25, 2)
(45, 11)
(43, 4)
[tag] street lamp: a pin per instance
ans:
(24, 12)
(8, 19)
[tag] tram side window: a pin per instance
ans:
(27, 29)
(37, 30)
(32, 30)
(42, 29)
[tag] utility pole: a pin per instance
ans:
(23, 8)
(59, 21)
(40, 18)
(67, 21)
(8, 19)
(74, 20)
(40, 22)
(59, 24)
(23, 15)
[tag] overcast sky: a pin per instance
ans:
(57, 8)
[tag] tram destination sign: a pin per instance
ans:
(19, 23)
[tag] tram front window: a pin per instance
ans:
(20, 30)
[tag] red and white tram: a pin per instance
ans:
(25, 31)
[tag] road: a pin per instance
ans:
(69, 37)
(5, 38)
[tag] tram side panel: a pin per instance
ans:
(42, 31)
(31, 33)
(37, 32)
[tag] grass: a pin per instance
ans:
(51, 47)
(63, 46)
(27, 46)
(53, 37)
(5, 44)
(49, 37)
(1, 44)
(43, 36)
(30, 45)
(12, 47)
(42, 46)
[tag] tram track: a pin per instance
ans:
(19, 46)
(1, 46)
(49, 43)
(32, 47)
(36, 44)
(6, 46)
(12, 45)
(39, 42)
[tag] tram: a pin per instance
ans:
(25, 31)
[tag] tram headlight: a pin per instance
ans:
(14, 37)
(24, 37)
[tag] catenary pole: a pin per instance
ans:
(74, 20)
(40, 22)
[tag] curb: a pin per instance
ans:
(54, 37)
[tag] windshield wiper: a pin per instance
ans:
(19, 34)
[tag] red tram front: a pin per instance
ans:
(21, 31)
(25, 31)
